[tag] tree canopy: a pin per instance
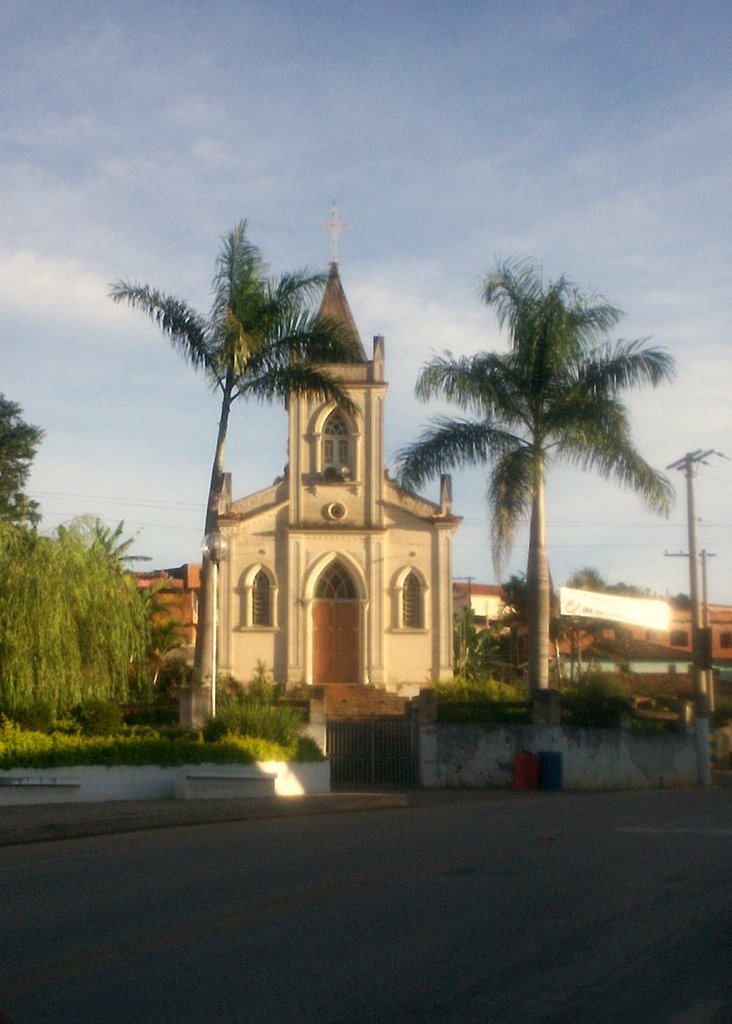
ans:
(18, 443)
(71, 621)
(555, 395)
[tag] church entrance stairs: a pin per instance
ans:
(348, 702)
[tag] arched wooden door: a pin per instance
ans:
(336, 628)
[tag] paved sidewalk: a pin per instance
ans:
(47, 822)
(43, 822)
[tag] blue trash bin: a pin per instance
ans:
(550, 770)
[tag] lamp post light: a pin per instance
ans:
(215, 548)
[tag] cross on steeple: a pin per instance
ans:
(334, 225)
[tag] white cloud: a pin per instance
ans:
(52, 288)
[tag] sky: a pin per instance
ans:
(591, 137)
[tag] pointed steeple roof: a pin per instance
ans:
(335, 307)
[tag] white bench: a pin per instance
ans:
(35, 780)
(223, 782)
(37, 789)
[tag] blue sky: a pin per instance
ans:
(595, 138)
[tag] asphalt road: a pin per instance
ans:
(534, 909)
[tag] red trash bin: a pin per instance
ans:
(525, 770)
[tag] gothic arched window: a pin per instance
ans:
(335, 584)
(261, 600)
(412, 612)
(336, 447)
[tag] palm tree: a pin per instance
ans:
(555, 395)
(262, 339)
(166, 634)
(106, 541)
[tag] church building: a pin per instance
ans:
(334, 573)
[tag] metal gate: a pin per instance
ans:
(380, 750)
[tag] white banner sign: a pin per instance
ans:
(638, 611)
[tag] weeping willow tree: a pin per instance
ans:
(71, 620)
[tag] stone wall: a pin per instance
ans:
(92, 783)
(483, 755)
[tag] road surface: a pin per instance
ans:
(536, 908)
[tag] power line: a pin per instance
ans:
(64, 517)
(556, 524)
(137, 503)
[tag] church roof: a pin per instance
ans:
(335, 307)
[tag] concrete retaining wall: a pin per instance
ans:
(483, 755)
(92, 783)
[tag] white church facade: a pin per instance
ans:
(334, 573)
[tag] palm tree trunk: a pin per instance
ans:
(217, 469)
(194, 715)
(538, 592)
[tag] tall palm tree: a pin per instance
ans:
(106, 541)
(554, 396)
(262, 339)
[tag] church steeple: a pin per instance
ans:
(335, 307)
(335, 304)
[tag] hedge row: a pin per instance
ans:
(21, 748)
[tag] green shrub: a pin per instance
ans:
(99, 718)
(150, 714)
(479, 690)
(256, 711)
(651, 727)
(488, 700)
(598, 700)
(249, 716)
(308, 750)
(261, 688)
(489, 712)
(26, 749)
(175, 675)
(39, 717)
(722, 712)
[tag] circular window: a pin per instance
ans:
(336, 511)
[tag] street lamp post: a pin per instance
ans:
(215, 548)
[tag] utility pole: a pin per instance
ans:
(706, 644)
(470, 587)
(700, 659)
(707, 627)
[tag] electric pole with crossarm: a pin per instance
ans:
(700, 654)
